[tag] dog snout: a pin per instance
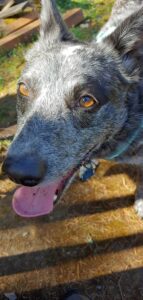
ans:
(26, 170)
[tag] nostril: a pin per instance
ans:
(28, 171)
(30, 181)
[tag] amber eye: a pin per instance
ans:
(88, 101)
(23, 90)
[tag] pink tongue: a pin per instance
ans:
(36, 201)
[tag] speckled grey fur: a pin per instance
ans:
(59, 69)
(121, 10)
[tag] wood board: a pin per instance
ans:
(71, 18)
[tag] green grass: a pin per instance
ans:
(10, 67)
(97, 11)
(68, 4)
(4, 144)
(11, 63)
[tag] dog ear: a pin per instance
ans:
(53, 28)
(127, 40)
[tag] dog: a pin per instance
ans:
(77, 101)
(121, 10)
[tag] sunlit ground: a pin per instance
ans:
(93, 241)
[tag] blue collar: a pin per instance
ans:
(88, 170)
(125, 145)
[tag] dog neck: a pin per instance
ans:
(126, 140)
(124, 146)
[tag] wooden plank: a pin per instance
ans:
(25, 33)
(22, 34)
(11, 11)
(73, 17)
(21, 22)
(7, 5)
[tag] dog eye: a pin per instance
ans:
(23, 90)
(88, 101)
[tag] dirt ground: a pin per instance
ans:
(93, 242)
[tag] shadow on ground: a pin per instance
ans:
(93, 242)
(7, 111)
(121, 285)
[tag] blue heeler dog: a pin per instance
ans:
(77, 101)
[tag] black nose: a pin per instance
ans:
(28, 171)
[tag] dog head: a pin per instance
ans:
(73, 100)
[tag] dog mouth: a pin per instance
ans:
(39, 200)
(30, 202)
